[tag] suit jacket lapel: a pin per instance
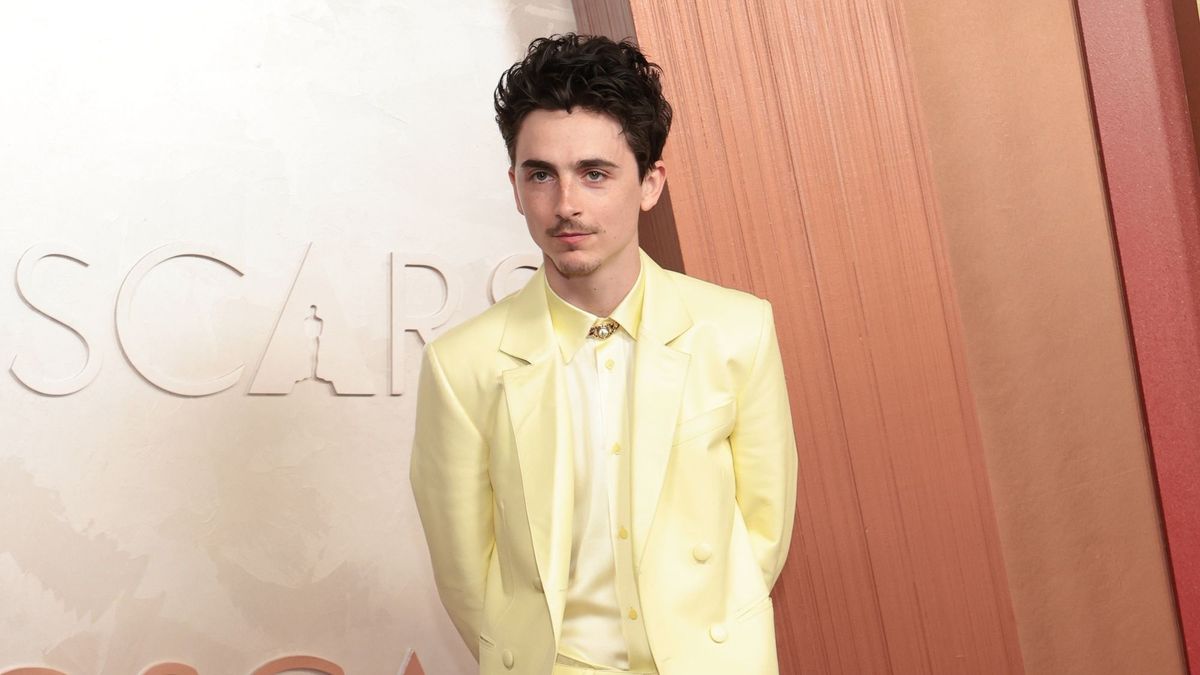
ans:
(659, 373)
(536, 397)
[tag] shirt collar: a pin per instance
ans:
(571, 323)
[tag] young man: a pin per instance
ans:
(603, 462)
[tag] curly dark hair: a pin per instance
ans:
(592, 72)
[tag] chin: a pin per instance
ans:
(576, 263)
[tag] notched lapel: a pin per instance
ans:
(659, 374)
(535, 394)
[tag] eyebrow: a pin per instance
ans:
(589, 163)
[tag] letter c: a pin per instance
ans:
(125, 322)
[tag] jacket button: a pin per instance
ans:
(508, 659)
(701, 552)
(717, 633)
(537, 584)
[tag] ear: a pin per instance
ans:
(512, 178)
(652, 184)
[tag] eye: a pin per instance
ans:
(595, 175)
(539, 176)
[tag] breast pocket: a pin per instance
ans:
(718, 419)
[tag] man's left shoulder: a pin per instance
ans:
(707, 301)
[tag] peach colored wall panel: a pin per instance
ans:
(1019, 186)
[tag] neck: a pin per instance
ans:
(601, 291)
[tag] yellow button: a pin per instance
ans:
(633, 614)
(718, 633)
(508, 659)
(701, 552)
(623, 533)
(616, 448)
(609, 364)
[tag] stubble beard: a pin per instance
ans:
(576, 267)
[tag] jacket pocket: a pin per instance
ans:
(702, 423)
(485, 641)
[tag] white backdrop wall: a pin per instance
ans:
(280, 160)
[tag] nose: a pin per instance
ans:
(567, 207)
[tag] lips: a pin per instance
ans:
(572, 237)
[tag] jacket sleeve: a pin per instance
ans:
(764, 454)
(453, 491)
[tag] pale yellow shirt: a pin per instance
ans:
(602, 622)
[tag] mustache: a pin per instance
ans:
(570, 227)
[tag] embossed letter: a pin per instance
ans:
(291, 351)
(501, 284)
(25, 374)
(422, 325)
(156, 377)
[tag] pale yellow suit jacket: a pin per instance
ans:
(713, 486)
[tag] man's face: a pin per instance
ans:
(575, 180)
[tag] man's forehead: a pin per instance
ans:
(568, 138)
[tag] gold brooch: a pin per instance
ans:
(603, 329)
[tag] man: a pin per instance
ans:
(604, 462)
